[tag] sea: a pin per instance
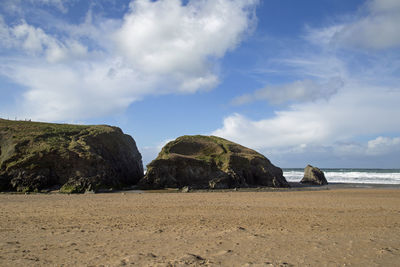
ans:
(362, 176)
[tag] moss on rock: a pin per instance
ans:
(210, 162)
(36, 155)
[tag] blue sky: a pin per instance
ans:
(303, 82)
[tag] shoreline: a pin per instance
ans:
(346, 185)
(295, 186)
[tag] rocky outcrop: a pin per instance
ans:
(210, 162)
(77, 158)
(313, 176)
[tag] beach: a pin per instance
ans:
(334, 226)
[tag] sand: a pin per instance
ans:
(336, 227)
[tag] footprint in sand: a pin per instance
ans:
(223, 252)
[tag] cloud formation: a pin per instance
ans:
(298, 91)
(18, 6)
(36, 43)
(167, 38)
(103, 65)
(376, 28)
(358, 110)
(346, 122)
(383, 145)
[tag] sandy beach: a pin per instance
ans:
(335, 227)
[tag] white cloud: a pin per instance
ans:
(36, 43)
(383, 145)
(323, 36)
(78, 90)
(328, 129)
(377, 6)
(337, 155)
(377, 29)
(32, 39)
(21, 6)
(6, 39)
(103, 65)
(284, 130)
(348, 149)
(298, 91)
(359, 109)
(168, 38)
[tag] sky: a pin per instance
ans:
(302, 82)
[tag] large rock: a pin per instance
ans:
(36, 156)
(313, 176)
(210, 162)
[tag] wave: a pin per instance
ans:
(349, 176)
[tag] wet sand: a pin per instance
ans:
(335, 226)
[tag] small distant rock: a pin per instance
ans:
(185, 189)
(313, 176)
(151, 255)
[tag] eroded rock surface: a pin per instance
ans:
(313, 176)
(77, 158)
(210, 162)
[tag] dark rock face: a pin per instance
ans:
(77, 158)
(313, 176)
(210, 162)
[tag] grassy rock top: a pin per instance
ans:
(53, 133)
(207, 148)
(35, 155)
(210, 162)
(33, 137)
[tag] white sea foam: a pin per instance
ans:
(349, 176)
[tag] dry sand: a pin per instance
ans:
(352, 227)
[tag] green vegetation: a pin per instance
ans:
(23, 130)
(37, 155)
(73, 188)
(209, 149)
(29, 141)
(202, 162)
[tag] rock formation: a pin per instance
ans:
(313, 176)
(210, 162)
(77, 158)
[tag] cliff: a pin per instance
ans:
(36, 156)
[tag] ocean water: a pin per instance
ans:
(362, 176)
